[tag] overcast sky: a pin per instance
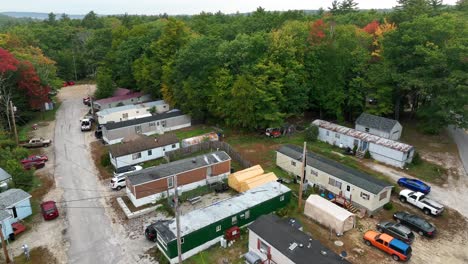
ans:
(174, 7)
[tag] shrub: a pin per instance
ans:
(416, 159)
(105, 160)
(367, 155)
(311, 133)
(388, 206)
(355, 149)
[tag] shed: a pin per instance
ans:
(236, 178)
(257, 181)
(380, 126)
(5, 177)
(329, 214)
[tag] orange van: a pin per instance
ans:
(392, 246)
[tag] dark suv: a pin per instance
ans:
(418, 224)
(398, 231)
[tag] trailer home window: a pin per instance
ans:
(136, 156)
(234, 220)
(337, 135)
(218, 228)
(365, 196)
(152, 124)
(383, 196)
(247, 214)
(334, 182)
(293, 163)
(150, 152)
(170, 182)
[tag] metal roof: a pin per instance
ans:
(376, 122)
(176, 167)
(118, 98)
(141, 143)
(282, 236)
(4, 215)
(143, 120)
(363, 136)
(200, 218)
(11, 197)
(4, 175)
(336, 169)
(129, 107)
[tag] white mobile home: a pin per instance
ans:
(142, 148)
(381, 149)
(379, 126)
(363, 190)
(128, 112)
(113, 133)
(128, 98)
(275, 240)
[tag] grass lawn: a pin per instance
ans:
(192, 131)
(428, 172)
(41, 117)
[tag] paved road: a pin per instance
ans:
(89, 229)
(461, 139)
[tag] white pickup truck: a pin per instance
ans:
(419, 200)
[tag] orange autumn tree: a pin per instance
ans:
(377, 31)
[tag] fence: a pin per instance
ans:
(208, 145)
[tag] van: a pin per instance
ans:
(392, 246)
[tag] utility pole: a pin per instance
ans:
(5, 250)
(12, 108)
(176, 208)
(299, 206)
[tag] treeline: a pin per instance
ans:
(255, 70)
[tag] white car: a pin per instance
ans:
(118, 181)
(419, 199)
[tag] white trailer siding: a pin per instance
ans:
(142, 156)
(276, 255)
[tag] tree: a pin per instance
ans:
(311, 133)
(105, 86)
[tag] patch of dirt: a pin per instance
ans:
(97, 151)
(47, 183)
(258, 153)
(38, 255)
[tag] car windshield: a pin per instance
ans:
(85, 123)
(50, 211)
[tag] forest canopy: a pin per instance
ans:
(254, 70)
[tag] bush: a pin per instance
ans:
(355, 149)
(311, 133)
(416, 159)
(367, 155)
(105, 160)
(388, 206)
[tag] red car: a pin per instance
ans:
(68, 83)
(35, 164)
(49, 210)
(35, 158)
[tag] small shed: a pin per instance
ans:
(212, 136)
(236, 178)
(257, 181)
(329, 214)
(380, 126)
(5, 177)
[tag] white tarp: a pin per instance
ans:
(329, 214)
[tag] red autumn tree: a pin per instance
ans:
(30, 82)
(372, 27)
(317, 32)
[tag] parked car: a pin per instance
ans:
(35, 158)
(126, 169)
(150, 231)
(118, 182)
(36, 165)
(36, 143)
(86, 125)
(420, 201)
(415, 185)
(49, 210)
(396, 230)
(416, 223)
(98, 132)
(87, 101)
(390, 245)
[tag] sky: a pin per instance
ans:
(175, 7)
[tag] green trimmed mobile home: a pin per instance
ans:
(205, 227)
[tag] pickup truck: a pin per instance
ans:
(419, 200)
(36, 143)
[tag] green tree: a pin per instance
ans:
(105, 86)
